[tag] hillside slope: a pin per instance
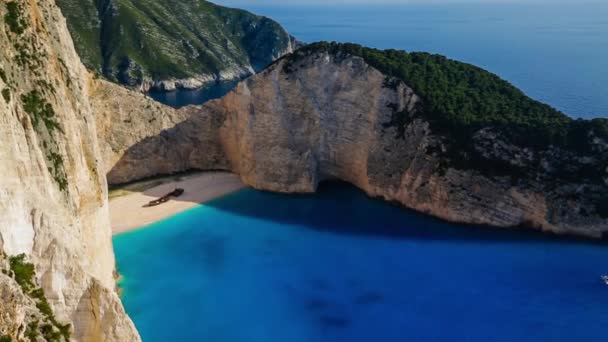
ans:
(435, 135)
(168, 44)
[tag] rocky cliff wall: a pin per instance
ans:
(334, 117)
(53, 192)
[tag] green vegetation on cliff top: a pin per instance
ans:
(459, 99)
(127, 40)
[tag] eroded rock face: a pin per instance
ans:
(334, 117)
(124, 117)
(16, 309)
(53, 192)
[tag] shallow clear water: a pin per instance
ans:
(338, 266)
(556, 53)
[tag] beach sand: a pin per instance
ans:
(126, 203)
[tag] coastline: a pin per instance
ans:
(126, 203)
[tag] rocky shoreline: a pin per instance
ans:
(195, 82)
(198, 81)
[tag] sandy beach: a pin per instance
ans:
(126, 203)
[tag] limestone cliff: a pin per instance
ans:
(323, 116)
(124, 117)
(53, 192)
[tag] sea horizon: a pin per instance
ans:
(338, 265)
(415, 172)
(539, 48)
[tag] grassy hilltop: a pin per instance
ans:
(460, 98)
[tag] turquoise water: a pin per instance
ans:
(338, 266)
(556, 53)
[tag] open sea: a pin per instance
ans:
(556, 53)
(338, 266)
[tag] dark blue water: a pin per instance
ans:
(557, 53)
(337, 266)
(184, 97)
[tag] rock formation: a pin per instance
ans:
(307, 118)
(53, 192)
(166, 45)
(328, 116)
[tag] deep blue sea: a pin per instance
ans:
(337, 266)
(556, 53)
(182, 97)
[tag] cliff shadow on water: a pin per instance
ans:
(286, 128)
(337, 207)
(340, 208)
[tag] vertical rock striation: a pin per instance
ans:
(326, 116)
(53, 192)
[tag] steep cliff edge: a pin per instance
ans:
(172, 44)
(124, 117)
(53, 192)
(325, 113)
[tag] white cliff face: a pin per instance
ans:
(327, 117)
(53, 193)
(123, 118)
